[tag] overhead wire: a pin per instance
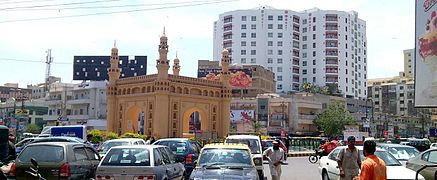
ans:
(101, 7)
(51, 5)
(119, 12)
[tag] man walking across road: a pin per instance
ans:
(373, 168)
(274, 155)
(349, 161)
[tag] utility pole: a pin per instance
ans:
(49, 60)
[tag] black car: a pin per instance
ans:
(57, 160)
(186, 151)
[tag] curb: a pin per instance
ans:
(300, 154)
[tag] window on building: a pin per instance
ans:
(269, 51)
(279, 43)
(243, 43)
(304, 21)
(314, 19)
(269, 43)
(280, 18)
(243, 35)
(270, 69)
(269, 60)
(253, 26)
(304, 71)
(279, 78)
(269, 26)
(253, 18)
(279, 52)
(253, 35)
(314, 28)
(279, 60)
(280, 35)
(314, 70)
(314, 62)
(279, 69)
(304, 30)
(243, 52)
(279, 87)
(314, 36)
(270, 18)
(314, 45)
(304, 38)
(252, 52)
(243, 60)
(304, 46)
(252, 60)
(270, 34)
(304, 55)
(243, 18)
(280, 26)
(253, 43)
(314, 79)
(304, 63)
(314, 53)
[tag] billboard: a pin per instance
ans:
(95, 68)
(242, 116)
(426, 54)
(240, 77)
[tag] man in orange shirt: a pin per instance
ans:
(372, 168)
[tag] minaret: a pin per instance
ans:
(111, 91)
(176, 66)
(224, 77)
(225, 95)
(162, 64)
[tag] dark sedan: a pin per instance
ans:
(57, 160)
(225, 161)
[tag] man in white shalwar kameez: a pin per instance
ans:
(274, 155)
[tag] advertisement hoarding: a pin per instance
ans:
(426, 53)
(242, 116)
(240, 77)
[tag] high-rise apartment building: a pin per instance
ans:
(316, 46)
(409, 63)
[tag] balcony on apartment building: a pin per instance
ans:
(295, 35)
(331, 35)
(331, 52)
(331, 26)
(331, 17)
(296, 28)
(296, 19)
(331, 79)
(331, 70)
(296, 53)
(227, 19)
(296, 70)
(331, 61)
(295, 62)
(331, 43)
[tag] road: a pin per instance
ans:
(298, 168)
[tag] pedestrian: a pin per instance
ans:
(152, 140)
(274, 155)
(148, 140)
(372, 168)
(11, 154)
(349, 161)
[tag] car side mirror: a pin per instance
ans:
(34, 163)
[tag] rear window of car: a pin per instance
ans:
(177, 147)
(127, 157)
(42, 153)
(252, 143)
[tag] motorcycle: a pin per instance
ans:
(34, 171)
(313, 158)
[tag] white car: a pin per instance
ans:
(104, 147)
(254, 143)
(328, 166)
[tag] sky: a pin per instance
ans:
(189, 28)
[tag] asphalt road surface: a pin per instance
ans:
(298, 168)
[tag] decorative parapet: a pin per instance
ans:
(196, 81)
(137, 79)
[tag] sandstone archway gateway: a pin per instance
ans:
(167, 100)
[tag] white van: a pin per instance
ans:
(254, 143)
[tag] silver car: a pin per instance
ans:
(140, 162)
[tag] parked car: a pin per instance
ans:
(401, 152)
(119, 142)
(225, 161)
(57, 160)
(254, 143)
(140, 162)
(428, 157)
(269, 143)
(59, 139)
(20, 145)
(186, 151)
(328, 166)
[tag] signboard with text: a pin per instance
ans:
(242, 115)
(426, 54)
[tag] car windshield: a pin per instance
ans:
(47, 153)
(178, 147)
(252, 143)
(385, 156)
(268, 144)
(127, 157)
(403, 153)
(108, 145)
(24, 142)
(218, 157)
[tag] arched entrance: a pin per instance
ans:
(132, 116)
(194, 120)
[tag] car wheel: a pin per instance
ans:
(325, 175)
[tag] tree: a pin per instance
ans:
(307, 87)
(333, 119)
(97, 136)
(256, 126)
(33, 128)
